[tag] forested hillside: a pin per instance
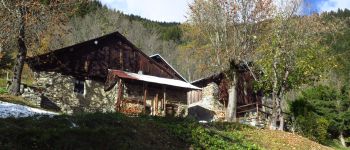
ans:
(183, 45)
(95, 20)
(92, 20)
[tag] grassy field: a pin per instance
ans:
(116, 131)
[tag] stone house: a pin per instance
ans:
(107, 74)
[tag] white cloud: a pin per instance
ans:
(329, 5)
(159, 10)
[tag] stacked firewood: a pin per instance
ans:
(132, 109)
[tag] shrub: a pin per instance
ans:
(307, 122)
(313, 127)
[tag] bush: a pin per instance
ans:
(308, 123)
(321, 130)
(313, 127)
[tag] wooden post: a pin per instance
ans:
(156, 110)
(164, 99)
(144, 96)
(152, 108)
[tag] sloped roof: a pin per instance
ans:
(154, 56)
(153, 79)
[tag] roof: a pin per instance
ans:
(217, 77)
(168, 64)
(153, 79)
(92, 59)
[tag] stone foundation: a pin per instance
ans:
(209, 107)
(59, 89)
(253, 119)
(56, 92)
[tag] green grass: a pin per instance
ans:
(3, 90)
(115, 131)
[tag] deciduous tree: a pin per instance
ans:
(231, 27)
(24, 21)
(291, 54)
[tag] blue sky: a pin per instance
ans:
(176, 10)
(325, 5)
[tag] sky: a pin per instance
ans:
(157, 10)
(177, 10)
(325, 5)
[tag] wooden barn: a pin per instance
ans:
(216, 89)
(106, 74)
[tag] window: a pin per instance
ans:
(79, 86)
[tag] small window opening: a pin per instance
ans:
(79, 86)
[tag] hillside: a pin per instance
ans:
(116, 131)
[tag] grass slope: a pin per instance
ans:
(116, 131)
(281, 140)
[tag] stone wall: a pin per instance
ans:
(210, 101)
(253, 118)
(56, 91)
(59, 89)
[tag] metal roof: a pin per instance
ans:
(154, 79)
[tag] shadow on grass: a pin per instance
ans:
(117, 131)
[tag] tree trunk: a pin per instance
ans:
(21, 56)
(281, 118)
(280, 98)
(341, 138)
(273, 119)
(232, 101)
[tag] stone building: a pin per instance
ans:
(106, 74)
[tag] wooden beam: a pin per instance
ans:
(144, 96)
(121, 60)
(242, 106)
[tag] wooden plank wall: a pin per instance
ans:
(194, 96)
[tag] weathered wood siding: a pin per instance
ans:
(93, 58)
